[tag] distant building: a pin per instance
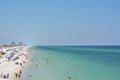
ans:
(20, 44)
(13, 44)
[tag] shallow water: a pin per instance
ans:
(74, 63)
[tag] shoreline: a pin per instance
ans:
(12, 69)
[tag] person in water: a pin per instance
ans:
(69, 78)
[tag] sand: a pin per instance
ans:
(14, 70)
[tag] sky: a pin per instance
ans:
(60, 22)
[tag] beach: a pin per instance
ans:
(11, 67)
(62, 63)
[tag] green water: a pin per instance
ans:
(77, 63)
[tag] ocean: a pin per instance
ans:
(73, 63)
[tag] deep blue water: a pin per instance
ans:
(106, 54)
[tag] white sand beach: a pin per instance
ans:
(12, 69)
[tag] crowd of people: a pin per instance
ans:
(18, 57)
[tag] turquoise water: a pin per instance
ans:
(74, 63)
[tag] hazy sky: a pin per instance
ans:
(60, 22)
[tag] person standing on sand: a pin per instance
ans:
(1, 75)
(8, 75)
(19, 75)
(20, 71)
(20, 64)
(16, 75)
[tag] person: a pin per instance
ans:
(16, 75)
(1, 74)
(8, 75)
(24, 62)
(29, 75)
(20, 64)
(19, 76)
(36, 66)
(4, 76)
(20, 71)
(69, 77)
(47, 60)
(31, 60)
(16, 63)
